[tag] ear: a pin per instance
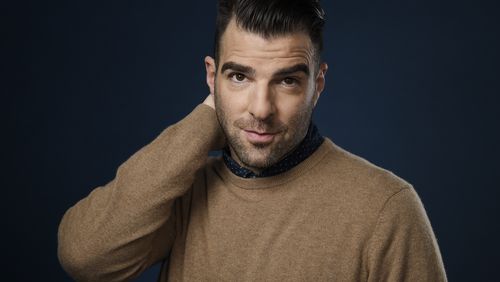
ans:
(210, 68)
(320, 81)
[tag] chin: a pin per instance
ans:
(254, 155)
(257, 163)
(255, 158)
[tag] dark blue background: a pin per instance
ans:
(412, 87)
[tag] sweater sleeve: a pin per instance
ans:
(403, 246)
(124, 227)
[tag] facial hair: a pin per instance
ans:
(256, 156)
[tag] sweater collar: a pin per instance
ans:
(309, 144)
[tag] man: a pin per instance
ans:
(283, 203)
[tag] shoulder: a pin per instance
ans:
(359, 172)
(210, 170)
(356, 180)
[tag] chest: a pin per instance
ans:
(244, 235)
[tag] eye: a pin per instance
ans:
(290, 81)
(237, 77)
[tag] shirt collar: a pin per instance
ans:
(309, 144)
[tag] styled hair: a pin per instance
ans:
(271, 18)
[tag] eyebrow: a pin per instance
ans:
(281, 72)
(237, 67)
(293, 69)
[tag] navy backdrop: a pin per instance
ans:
(412, 87)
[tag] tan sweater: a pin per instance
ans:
(334, 217)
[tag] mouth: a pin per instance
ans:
(256, 137)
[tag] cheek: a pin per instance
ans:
(291, 107)
(232, 103)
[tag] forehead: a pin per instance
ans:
(242, 46)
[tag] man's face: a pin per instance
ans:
(265, 91)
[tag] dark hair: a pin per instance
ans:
(270, 18)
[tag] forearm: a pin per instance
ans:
(110, 234)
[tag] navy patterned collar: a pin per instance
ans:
(311, 142)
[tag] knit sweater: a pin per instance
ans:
(333, 217)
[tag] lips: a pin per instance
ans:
(256, 137)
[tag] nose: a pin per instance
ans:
(261, 103)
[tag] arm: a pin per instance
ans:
(124, 227)
(403, 246)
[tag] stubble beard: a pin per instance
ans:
(261, 156)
